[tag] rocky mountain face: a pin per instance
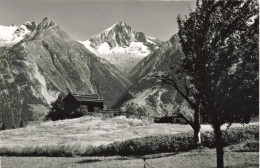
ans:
(122, 46)
(44, 62)
(147, 97)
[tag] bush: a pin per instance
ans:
(57, 109)
(58, 112)
(250, 147)
(232, 136)
(173, 143)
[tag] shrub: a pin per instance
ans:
(250, 147)
(232, 136)
(173, 143)
(57, 109)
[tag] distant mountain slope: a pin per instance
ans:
(43, 64)
(122, 46)
(146, 96)
(159, 60)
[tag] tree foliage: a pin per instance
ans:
(220, 43)
(57, 111)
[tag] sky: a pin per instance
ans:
(82, 19)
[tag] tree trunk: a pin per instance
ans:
(195, 124)
(219, 147)
(197, 137)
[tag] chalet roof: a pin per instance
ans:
(87, 97)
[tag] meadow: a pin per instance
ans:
(85, 131)
(94, 136)
(199, 158)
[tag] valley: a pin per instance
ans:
(129, 84)
(117, 64)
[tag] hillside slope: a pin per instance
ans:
(147, 97)
(45, 63)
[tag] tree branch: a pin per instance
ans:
(173, 83)
(186, 120)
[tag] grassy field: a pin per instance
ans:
(132, 137)
(93, 136)
(199, 158)
(87, 131)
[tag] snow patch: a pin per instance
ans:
(6, 32)
(104, 48)
(150, 41)
(153, 38)
(87, 45)
(135, 50)
(10, 35)
(121, 57)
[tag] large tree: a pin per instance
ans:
(220, 43)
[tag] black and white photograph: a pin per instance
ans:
(129, 83)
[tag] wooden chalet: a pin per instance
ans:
(83, 102)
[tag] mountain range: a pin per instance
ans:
(41, 61)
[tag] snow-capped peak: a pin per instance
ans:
(121, 46)
(114, 26)
(10, 35)
(6, 32)
(120, 22)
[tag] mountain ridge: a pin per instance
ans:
(45, 63)
(122, 46)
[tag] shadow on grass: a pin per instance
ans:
(155, 156)
(89, 161)
(145, 157)
(104, 159)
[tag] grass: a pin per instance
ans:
(140, 142)
(87, 131)
(137, 146)
(252, 146)
(202, 158)
(84, 131)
